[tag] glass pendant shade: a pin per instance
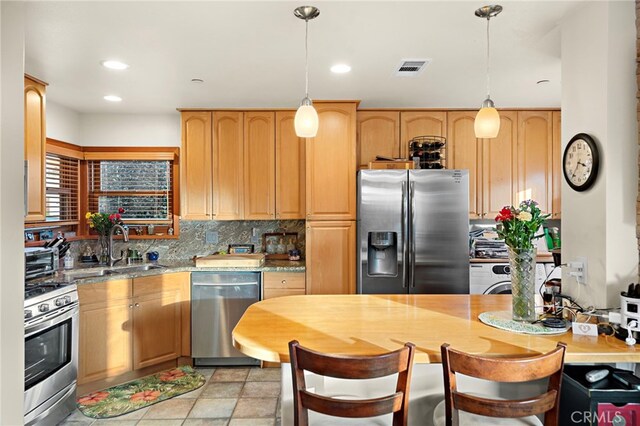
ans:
(487, 124)
(306, 121)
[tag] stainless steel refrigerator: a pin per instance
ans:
(413, 231)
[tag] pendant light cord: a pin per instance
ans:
(488, 60)
(306, 58)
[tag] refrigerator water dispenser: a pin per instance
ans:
(383, 253)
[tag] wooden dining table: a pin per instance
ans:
(373, 324)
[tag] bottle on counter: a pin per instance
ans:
(68, 260)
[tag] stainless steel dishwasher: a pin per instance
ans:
(218, 300)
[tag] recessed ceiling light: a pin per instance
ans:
(112, 98)
(340, 68)
(197, 80)
(114, 65)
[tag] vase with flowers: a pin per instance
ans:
(102, 224)
(518, 227)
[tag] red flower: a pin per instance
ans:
(170, 376)
(121, 210)
(118, 217)
(112, 217)
(93, 398)
(145, 396)
(505, 214)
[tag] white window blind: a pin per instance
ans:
(62, 178)
(143, 188)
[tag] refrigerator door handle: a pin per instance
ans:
(405, 234)
(411, 234)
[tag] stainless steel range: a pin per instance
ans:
(51, 351)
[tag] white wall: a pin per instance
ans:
(598, 98)
(11, 212)
(130, 129)
(63, 123)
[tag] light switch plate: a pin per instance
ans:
(211, 237)
(584, 329)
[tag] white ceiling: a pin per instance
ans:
(251, 54)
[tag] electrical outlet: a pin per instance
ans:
(578, 269)
(211, 237)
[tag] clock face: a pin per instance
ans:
(580, 162)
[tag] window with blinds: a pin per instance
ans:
(62, 178)
(143, 188)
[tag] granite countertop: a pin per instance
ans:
(166, 267)
(543, 258)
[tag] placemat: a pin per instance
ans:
(503, 321)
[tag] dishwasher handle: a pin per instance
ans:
(225, 284)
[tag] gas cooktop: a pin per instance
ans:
(42, 298)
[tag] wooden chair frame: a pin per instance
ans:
(509, 370)
(351, 367)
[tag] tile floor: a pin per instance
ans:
(232, 396)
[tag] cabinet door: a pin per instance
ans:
(35, 137)
(331, 262)
(259, 165)
(420, 123)
(535, 147)
(464, 152)
(104, 335)
(195, 162)
(290, 168)
(378, 134)
(499, 166)
(331, 163)
(228, 163)
(556, 165)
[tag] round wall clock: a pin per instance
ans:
(580, 162)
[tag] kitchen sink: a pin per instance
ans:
(105, 271)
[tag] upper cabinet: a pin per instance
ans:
(290, 168)
(464, 151)
(378, 133)
(535, 158)
(259, 161)
(196, 165)
(35, 138)
(557, 165)
(331, 163)
(228, 143)
(420, 123)
(231, 169)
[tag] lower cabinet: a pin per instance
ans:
(277, 284)
(130, 324)
(331, 257)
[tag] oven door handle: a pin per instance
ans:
(51, 321)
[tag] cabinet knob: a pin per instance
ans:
(137, 305)
(130, 306)
(284, 281)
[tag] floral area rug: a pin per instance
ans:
(122, 399)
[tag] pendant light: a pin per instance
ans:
(306, 120)
(487, 123)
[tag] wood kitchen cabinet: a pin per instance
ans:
(378, 133)
(196, 164)
(556, 204)
(35, 138)
(290, 168)
(420, 123)
(331, 163)
(331, 257)
(228, 144)
(127, 325)
(464, 151)
(535, 158)
(259, 165)
(277, 284)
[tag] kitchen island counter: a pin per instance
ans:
(372, 324)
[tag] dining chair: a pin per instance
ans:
(473, 409)
(351, 367)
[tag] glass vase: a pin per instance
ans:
(103, 249)
(523, 283)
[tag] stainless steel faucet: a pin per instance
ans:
(125, 235)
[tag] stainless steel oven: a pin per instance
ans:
(51, 355)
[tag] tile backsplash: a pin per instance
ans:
(192, 241)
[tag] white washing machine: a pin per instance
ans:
(495, 278)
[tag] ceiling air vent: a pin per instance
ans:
(411, 67)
